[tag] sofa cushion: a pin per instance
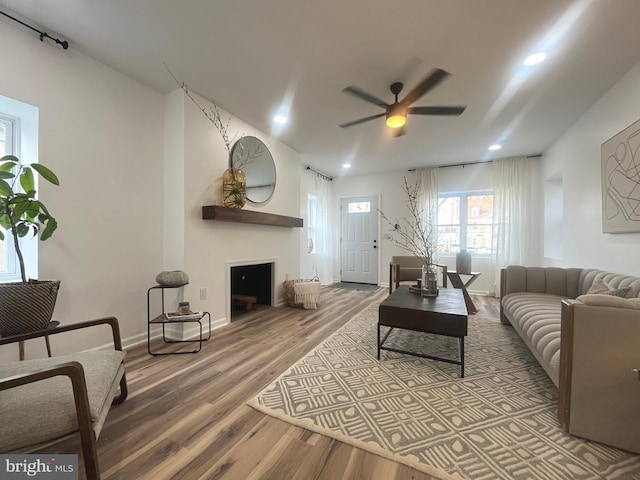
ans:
(32, 417)
(536, 317)
(605, 300)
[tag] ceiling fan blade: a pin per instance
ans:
(362, 120)
(435, 110)
(433, 79)
(367, 97)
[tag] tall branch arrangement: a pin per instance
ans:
(212, 113)
(412, 232)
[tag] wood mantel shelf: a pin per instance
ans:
(226, 214)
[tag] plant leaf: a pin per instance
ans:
(22, 229)
(49, 229)
(1, 235)
(42, 207)
(6, 174)
(26, 179)
(5, 188)
(10, 158)
(19, 209)
(33, 209)
(46, 173)
(7, 166)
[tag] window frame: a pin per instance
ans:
(10, 272)
(463, 224)
(25, 146)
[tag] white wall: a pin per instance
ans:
(102, 133)
(576, 157)
(210, 245)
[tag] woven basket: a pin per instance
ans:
(27, 307)
(289, 294)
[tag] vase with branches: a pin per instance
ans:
(415, 233)
(234, 183)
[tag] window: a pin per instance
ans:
(7, 250)
(359, 207)
(465, 222)
(18, 136)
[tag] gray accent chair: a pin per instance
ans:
(46, 400)
(408, 268)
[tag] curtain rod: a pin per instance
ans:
(463, 164)
(63, 43)
(326, 177)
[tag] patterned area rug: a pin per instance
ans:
(498, 422)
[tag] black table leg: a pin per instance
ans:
(461, 357)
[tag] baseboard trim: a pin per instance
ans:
(186, 334)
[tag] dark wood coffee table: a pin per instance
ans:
(445, 315)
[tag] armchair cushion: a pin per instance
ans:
(409, 268)
(28, 416)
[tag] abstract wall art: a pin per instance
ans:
(621, 181)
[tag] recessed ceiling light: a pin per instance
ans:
(495, 147)
(346, 165)
(535, 59)
(281, 119)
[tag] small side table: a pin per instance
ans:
(164, 320)
(457, 282)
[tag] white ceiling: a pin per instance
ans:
(253, 56)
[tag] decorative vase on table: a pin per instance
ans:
(463, 262)
(234, 188)
(429, 281)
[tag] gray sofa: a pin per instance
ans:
(588, 343)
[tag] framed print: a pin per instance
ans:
(621, 181)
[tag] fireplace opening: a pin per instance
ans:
(250, 286)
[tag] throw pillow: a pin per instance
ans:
(598, 288)
(602, 288)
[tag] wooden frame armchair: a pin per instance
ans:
(40, 407)
(408, 268)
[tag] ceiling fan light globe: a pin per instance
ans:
(396, 121)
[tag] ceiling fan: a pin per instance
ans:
(397, 112)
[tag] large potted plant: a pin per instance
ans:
(27, 305)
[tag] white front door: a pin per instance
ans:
(359, 240)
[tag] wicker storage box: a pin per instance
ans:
(308, 295)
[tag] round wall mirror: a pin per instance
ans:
(252, 156)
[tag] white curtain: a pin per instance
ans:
(324, 252)
(427, 190)
(513, 209)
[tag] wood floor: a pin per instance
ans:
(186, 417)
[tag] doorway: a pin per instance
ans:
(359, 240)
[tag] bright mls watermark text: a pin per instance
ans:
(42, 466)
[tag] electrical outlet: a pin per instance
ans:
(203, 293)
